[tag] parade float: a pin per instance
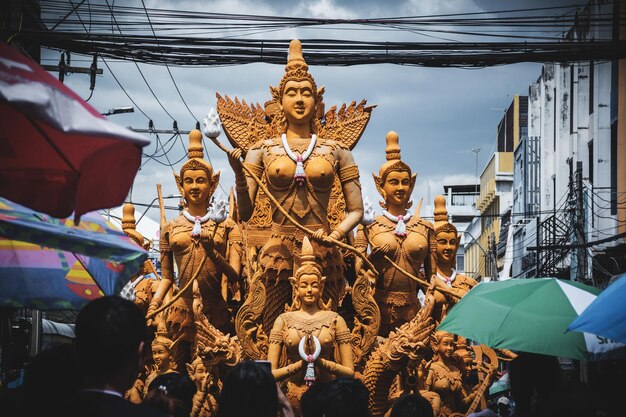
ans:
(296, 270)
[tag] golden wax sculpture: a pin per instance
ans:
(398, 235)
(310, 323)
(308, 169)
(143, 288)
(276, 263)
(448, 284)
(204, 244)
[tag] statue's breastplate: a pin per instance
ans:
(319, 172)
(413, 247)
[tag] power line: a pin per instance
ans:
(137, 65)
(167, 66)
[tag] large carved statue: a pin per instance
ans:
(401, 236)
(449, 285)
(304, 164)
(202, 249)
(310, 322)
(444, 378)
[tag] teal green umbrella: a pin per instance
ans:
(529, 315)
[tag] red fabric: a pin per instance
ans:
(59, 172)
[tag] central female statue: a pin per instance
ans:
(300, 169)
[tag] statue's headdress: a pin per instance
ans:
(295, 70)
(129, 226)
(441, 217)
(163, 341)
(309, 266)
(437, 337)
(195, 153)
(394, 163)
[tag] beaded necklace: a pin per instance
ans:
(299, 176)
(400, 222)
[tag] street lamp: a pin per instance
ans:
(119, 110)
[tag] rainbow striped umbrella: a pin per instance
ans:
(52, 264)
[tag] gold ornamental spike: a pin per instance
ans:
(195, 149)
(440, 212)
(128, 217)
(296, 60)
(392, 150)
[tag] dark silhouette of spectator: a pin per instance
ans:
(50, 381)
(503, 407)
(251, 391)
(411, 405)
(171, 393)
(532, 378)
(345, 397)
(575, 399)
(110, 345)
(484, 413)
(311, 403)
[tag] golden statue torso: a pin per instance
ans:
(396, 294)
(298, 324)
(188, 251)
(409, 251)
(309, 201)
(445, 380)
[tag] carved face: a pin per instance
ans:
(447, 245)
(397, 186)
(196, 186)
(199, 375)
(298, 102)
(309, 288)
(465, 361)
(445, 346)
(161, 357)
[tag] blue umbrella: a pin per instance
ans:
(52, 264)
(606, 315)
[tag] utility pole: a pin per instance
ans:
(494, 256)
(476, 151)
(579, 221)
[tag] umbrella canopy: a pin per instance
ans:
(58, 155)
(501, 385)
(606, 316)
(50, 264)
(529, 315)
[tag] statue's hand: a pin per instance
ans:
(206, 238)
(154, 305)
(432, 286)
(380, 251)
(371, 277)
(319, 236)
(234, 159)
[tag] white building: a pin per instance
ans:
(574, 123)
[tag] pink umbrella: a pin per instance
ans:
(58, 155)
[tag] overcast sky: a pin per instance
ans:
(440, 114)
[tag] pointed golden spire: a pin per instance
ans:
(128, 217)
(296, 60)
(195, 149)
(392, 150)
(440, 212)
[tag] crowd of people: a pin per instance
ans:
(91, 376)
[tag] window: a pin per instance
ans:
(460, 263)
(591, 73)
(590, 160)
